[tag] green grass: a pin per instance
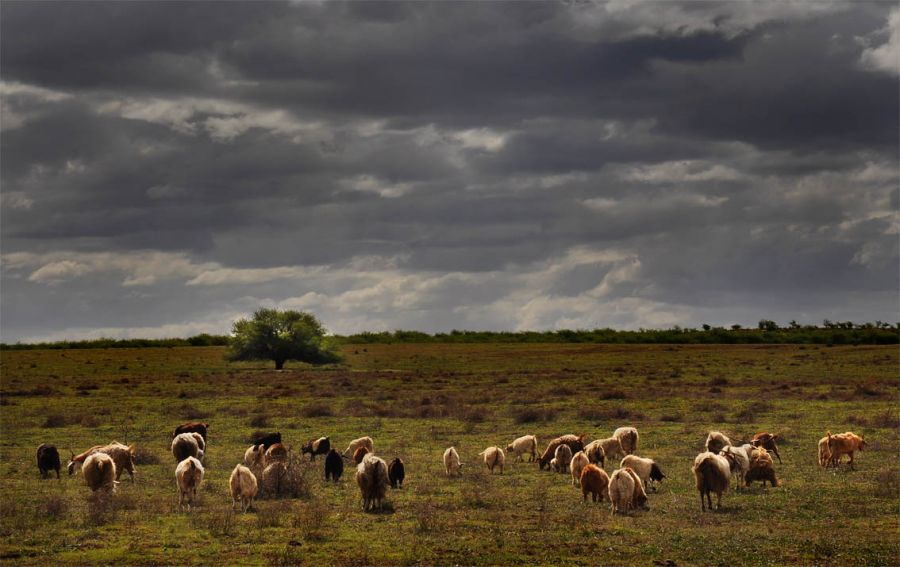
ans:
(417, 399)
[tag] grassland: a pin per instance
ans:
(417, 399)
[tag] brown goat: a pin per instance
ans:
(767, 441)
(575, 442)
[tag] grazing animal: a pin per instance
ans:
(243, 487)
(711, 473)
(359, 454)
(122, 455)
(372, 479)
(646, 469)
(594, 481)
(186, 445)
(254, 456)
(273, 476)
(611, 447)
(595, 453)
(99, 471)
(451, 462)
(825, 459)
(525, 445)
(188, 475)
(267, 439)
(578, 462)
(334, 465)
(716, 441)
(493, 457)
(628, 438)
(766, 440)
(276, 452)
(761, 468)
(574, 442)
(626, 492)
(47, 460)
(739, 463)
(192, 427)
(396, 473)
(319, 446)
(357, 443)
(562, 457)
(844, 444)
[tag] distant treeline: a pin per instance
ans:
(767, 332)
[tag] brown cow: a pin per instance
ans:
(767, 441)
(192, 427)
(844, 444)
(359, 454)
(575, 442)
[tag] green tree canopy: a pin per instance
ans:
(281, 336)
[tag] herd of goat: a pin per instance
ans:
(267, 460)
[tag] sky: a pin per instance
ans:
(166, 168)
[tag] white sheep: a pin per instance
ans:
(372, 479)
(716, 441)
(451, 462)
(525, 445)
(612, 447)
(563, 457)
(578, 462)
(254, 456)
(646, 469)
(711, 473)
(739, 461)
(357, 443)
(626, 491)
(493, 457)
(122, 455)
(595, 452)
(188, 475)
(628, 439)
(243, 487)
(99, 471)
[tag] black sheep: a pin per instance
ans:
(334, 465)
(396, 473)
(47, 460)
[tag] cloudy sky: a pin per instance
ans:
(168, 167)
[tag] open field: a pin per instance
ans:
(416, 400)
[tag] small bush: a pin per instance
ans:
(533, 415)
(55, 506)
(561, 391)
(144, 456)
(293, 482)
(887, 483)
(56, 420)
(270, 516)
(218, 522)
(316, 410)
(612, 395)
(718, 381)
(189, 411)
(87, 386)
(89, 420)
(672, 417)
(259, 421)
(312, 519)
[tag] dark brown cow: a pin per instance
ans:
(767, 441)
(192, 427)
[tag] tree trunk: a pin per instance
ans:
(279, 364)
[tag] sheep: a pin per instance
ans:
(319, 446)
(357, 443)
(595, 481)
(825, 459)
(243, 487)
(711, 473)
(493, 457)
(716, 441)
(451, 462)
(99, 471)
(527, 444)
(359, 454)
(122, 455)
(626, 491)
(192, 427)
(276, 452)
(334, 465)
(396, 473)
(578, 462)
(185, 445)
(767, 440)
(611, 447)
(188, 475)
(272, 477)
(254, 456)
(628, 438)
(574, 442)
(844, 444)
(646, 469)
(561, 459)
(739, 464)
(595, 453)
(47, 460)
(761, 468)
(372, 479)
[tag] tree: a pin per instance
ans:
(281, 336)
(767, 325)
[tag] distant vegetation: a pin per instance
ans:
(766, 332)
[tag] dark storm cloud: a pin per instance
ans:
(166, 167)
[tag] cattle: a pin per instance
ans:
(319, 446)
(47, 460)
(525, 445)
(334, 465)
(767, 441)
(396, 473)
(192, 427)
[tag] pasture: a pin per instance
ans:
(417, 400)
